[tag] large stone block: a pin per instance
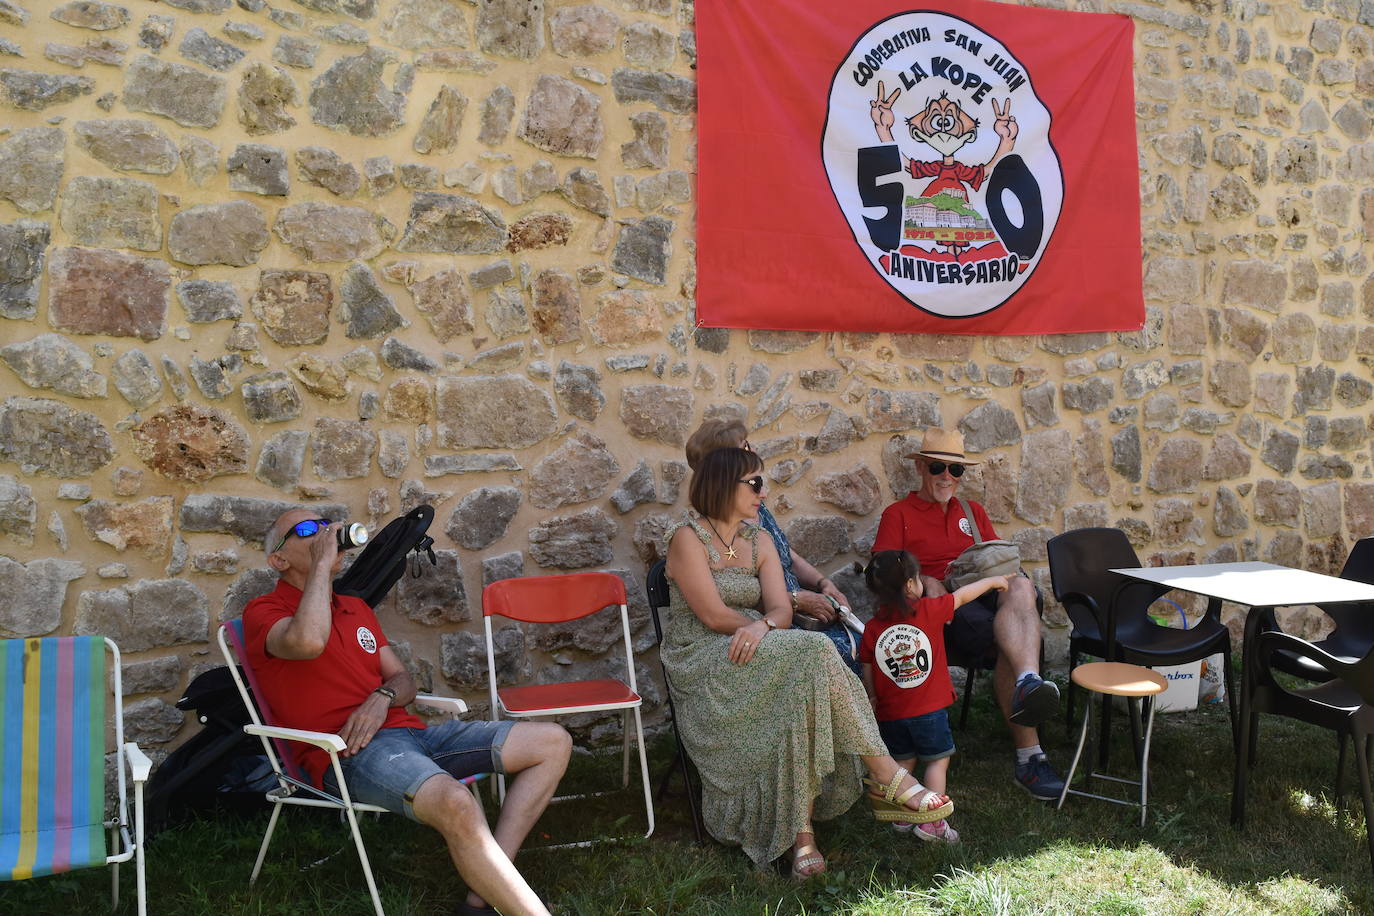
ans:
(31, 164)
(673, 94)
(93, 291)
(1044, 478)
(352, 97)
(896, 411)
(855, 490)
(329, 170)
(264, 94)
(819, 538)
(52, 361)
(657, 412)
(191, 443)
(463, 657)
(23, 246)
(482, 517)
(243, 517)
(281, 458)
(438, 132)
(150, 614)
(48, 437)
(502, 411)
(557, 311)
(270, 398)
(232, 233)
(583, 31)
(511, 28)
(342, 449)
(112, 213)
(1177, 467)
(578, 470)
(321, 232)
(573, 541)
(18, 510)
(144, 526)
(562, 117)
(452, 224)
(191, 97)
(128, 145)
(443, 299)
(414, 24)
(293, 306)
(32, 91)
(643, 249)
(34, 594)
(437, 595)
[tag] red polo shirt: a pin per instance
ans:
(935, 534)
(319, 693)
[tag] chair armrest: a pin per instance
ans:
(447, 704)
(139, 764)
(322, 740)
(1271, 640)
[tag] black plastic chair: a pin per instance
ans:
(1353, 635)
(1110, 619)
(656, 586)
(1344, 704)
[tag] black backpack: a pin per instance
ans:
(383, 561)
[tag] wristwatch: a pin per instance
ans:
(793, 596)
(771, 624)
(386, 692)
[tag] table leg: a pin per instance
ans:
(1254, 618)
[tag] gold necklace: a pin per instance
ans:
(730, 547)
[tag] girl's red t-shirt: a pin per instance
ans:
(910, 674)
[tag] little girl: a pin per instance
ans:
(905, 645)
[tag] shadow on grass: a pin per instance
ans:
(1296, 856)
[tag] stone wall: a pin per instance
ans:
(365, 255)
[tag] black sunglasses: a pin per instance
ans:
(937, 468)
(755, 482)
(308, 528)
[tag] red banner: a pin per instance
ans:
(966, 169)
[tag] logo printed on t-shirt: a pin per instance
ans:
(367, 640)
(964, 527)
(903, 654)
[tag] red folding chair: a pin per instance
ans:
(559, 599)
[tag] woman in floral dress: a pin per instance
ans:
(777, 725)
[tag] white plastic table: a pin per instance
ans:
(1261, 587)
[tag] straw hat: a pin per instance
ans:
(943, 445)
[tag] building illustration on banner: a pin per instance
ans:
(957, 213)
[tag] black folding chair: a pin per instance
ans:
(656, 585)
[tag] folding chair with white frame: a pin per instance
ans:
(561, 599)
(53, 697)
(292, 781)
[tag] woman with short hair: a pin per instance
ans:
(777, 725)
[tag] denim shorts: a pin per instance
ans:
(397, 761)
(926, 737)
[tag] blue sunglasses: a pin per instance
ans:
(308, 528)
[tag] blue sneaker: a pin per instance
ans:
(1034, 700)
(1038, 778)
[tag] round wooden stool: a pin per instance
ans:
(1121, 680)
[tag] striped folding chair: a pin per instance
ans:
(294, 786)
(52, 761)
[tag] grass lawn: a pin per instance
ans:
(1297, 855)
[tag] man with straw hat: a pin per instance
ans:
(931, 524)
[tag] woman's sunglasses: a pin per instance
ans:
(937, 468)
(755, 483)
(308, 528)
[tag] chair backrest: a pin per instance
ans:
(52, 753)
(1354, 631)
(553, 599)
(1080, 562)
(234, 646)
(656, 588)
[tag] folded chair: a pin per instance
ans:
(293, 785)
(656, 585)
(52, 762)
(560, 599)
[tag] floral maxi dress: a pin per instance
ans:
(771, 735)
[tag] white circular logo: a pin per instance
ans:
(903, 654)
(965, 527)
(938, 152)
(367, 640)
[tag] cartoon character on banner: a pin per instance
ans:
(945, 127)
